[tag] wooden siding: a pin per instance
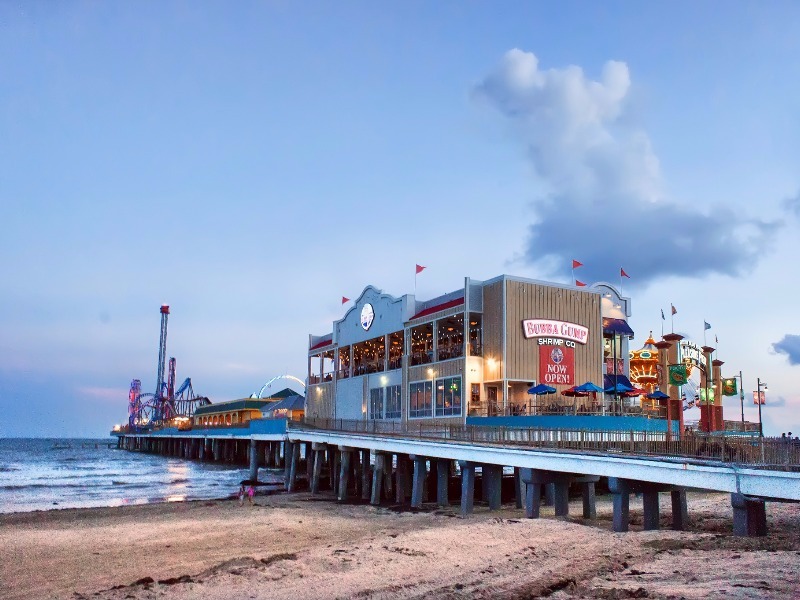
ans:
(319, 401)
(493, 330)
(446, 368)
(534, 301)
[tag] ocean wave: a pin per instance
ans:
(8, 469)
(179, 480)
(22, 486)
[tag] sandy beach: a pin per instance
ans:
(296, 546)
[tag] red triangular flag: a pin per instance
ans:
(345, 300)
(674, 310)
(576, 263)
(580, 283)
(420, 269)
(622, 273)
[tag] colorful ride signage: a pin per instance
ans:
(556, 329)
(556, 365)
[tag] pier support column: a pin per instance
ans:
(287, 464)
(467, 486)
(418, 483)
(680, 512)
(309, 461)
(377, 478)
(749, 516)
(201, 451)
(535, 480)
(344, 471)
(319, 457)
(519, 488)
(652, 510)
(588, 495)
(549, 495)
(620, 488)
(442, 481)
(217, 450)
(493, 477)
(294, 464)
(402, 480)
(365, 475)
(253, 475)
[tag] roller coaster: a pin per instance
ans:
(145, 410)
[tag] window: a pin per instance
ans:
(420, 396)
(376, 403)
(450, 336)
(393, 403)
(422, 344)
(448, 397)
(475, 334)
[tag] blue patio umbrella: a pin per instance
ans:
(657, 395)
(541, 390)
(619, 388)
(588, 387)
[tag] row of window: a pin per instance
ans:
(440, 398)
(384, 403)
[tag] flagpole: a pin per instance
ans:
(672, 317)
(662, 323)
(704, 333)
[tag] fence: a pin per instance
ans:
(771, 453)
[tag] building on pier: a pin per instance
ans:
(233, 412)
(472, 352)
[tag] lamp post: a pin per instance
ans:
(741, 396)
(758, 398)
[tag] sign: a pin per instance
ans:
(729, 387)
(707, 398)
(557, 365)
(759, 397)
(557, 329)
(678, 375)
(609, 367)
(367, 316)
(692, 353)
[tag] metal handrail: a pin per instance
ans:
(772, 453)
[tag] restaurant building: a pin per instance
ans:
(474, 351)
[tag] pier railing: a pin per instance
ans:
(768, 453)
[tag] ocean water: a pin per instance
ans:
(46, 474)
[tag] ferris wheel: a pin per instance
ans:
(276, 378)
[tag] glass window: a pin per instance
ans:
(419, 399)
(344, 363)
(448, 397)
(450, 337)
(475, 335)
(395, 350)
(393, 405)
(376, 403)
(422, 344)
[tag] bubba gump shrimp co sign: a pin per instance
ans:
(557, 342)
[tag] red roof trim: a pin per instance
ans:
(321, 344)
(437, 308)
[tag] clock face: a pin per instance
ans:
(367, 316)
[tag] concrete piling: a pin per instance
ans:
(442, 481)
(467, 486)
(418, 481)
(344, 472)
(680, 513)
(377, 478)
(749, 516)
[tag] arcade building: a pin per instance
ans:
(475, 351)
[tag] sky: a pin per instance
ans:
(249, 165)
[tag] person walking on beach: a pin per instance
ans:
(251, 491)
(241, 495)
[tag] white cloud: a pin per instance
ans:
(607, 205)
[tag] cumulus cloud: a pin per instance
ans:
(790, 346)
(606, 206)
(793, 204)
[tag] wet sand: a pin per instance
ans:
(296, 546)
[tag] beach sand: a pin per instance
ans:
(296, 546)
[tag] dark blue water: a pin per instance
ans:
(44, 474)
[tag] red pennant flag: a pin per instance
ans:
(345, 300)
(580, 283)
(622, 273)
(576, 263)
(674, 310)
(420, 269)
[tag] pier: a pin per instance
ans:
(412, 465)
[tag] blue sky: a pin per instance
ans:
(250, 166)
